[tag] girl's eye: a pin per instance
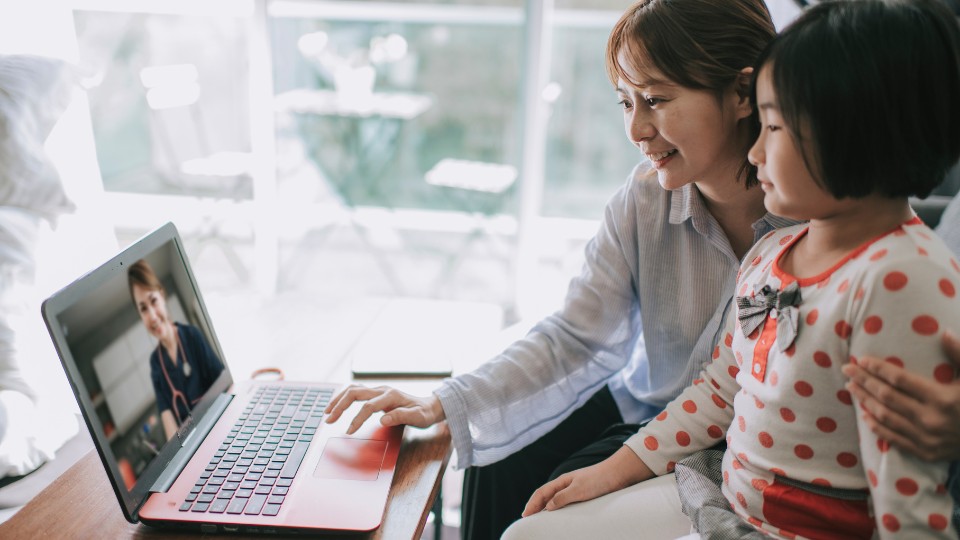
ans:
(772, 127)
(653, 102)
(625, 104)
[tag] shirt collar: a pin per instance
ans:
(687, 203)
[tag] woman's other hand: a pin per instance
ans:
(618, 471)
(400, 408)
(916, 414)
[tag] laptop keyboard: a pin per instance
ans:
(256, 463)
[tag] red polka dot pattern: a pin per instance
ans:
(690, 406)
(843, 286)
(848, 460)
(822, 359)
(662, 416)
(944, 373)
(894, 360)
(907, 487)
(803, 451)
(803, 388)
(651, 443)
(826, 425)
(786, 239)
(947, 288)
(881, 253)
(938, 522)
(843, 329)
(845, 397)
(766, 440)
(812, 316)
(894, 281)
(873, 325)
(683, 438)
(787, 415)
(715, 432)
(890, 522)
(925, 325)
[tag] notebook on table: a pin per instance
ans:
(184, 445)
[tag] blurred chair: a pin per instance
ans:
(187, 161)
(480, 189)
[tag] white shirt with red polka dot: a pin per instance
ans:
(786, 414)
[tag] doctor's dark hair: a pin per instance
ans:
(875, 85)
(697, 44)
(142, 274)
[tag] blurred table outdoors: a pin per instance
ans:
(352, 139)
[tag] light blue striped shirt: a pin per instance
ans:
(642, 316)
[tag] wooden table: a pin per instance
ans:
(81, 504)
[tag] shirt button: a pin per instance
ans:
(773, 313)
(756, 368)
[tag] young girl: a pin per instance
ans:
(853, 122)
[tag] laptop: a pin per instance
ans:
(184, 445)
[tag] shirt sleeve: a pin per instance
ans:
(700, 416)
(523, 393)
(905, 309)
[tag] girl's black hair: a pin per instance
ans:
(875, 85)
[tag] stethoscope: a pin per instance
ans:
(176, 396)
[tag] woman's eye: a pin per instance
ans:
(653, 102)
(625, 103)
(771, 127)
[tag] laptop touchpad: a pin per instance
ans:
(351, 459)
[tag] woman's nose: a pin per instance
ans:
(640, 127)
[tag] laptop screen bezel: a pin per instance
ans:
(130, 500)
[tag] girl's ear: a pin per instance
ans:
(741, 85)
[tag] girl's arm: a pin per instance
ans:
(909, 495)
(697, 419)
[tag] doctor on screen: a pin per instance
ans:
(183, 366)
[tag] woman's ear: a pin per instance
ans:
(742, 88)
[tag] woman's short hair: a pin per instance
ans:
(698, 44)
(142, 274)
(875, 85)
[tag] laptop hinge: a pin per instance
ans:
(190, 444)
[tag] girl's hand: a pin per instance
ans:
(400, 408)
(914, 413)
(618, 471)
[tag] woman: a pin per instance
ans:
(183, 366)
(641, 319)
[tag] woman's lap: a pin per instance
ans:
(649, 510)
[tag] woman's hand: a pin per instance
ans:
(914, 413)
(618, 471)
(400, 408)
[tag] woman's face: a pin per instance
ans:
(688, 135)
(152, 307)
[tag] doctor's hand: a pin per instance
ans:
(400, 408)
(623, 469)
(914, 413)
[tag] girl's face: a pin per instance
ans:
(688, 135)
(789, 187)
(153, 311)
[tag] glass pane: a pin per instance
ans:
(169, 99)
(375, 105)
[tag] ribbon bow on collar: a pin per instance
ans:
(753, 309)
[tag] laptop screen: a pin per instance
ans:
(141, 355)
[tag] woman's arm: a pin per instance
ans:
(914, 413)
